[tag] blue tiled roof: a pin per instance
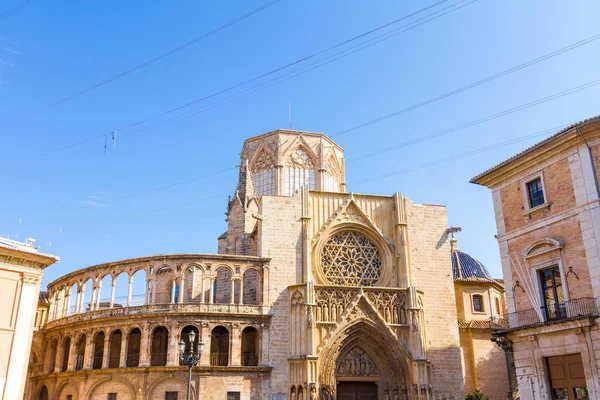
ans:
(465, 267)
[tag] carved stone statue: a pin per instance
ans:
(386, 395)
(357, 363)
(313, 393)
(396, 395)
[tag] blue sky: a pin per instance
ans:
(71, 201)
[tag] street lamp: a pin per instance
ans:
(190, 358)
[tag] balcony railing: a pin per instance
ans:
(568, 310)
(219, 359)
(134, 309)
(249, 359)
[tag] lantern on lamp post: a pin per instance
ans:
(190, 358)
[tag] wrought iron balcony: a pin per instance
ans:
(586, 307)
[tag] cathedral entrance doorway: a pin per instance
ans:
(357, 391)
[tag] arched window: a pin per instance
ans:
(332, 176)
(219, 347)
(263, 171)
(52, 360)
(175, 293)
(80, 353)
(249, 353)
(43, 393)
(299, 171)
(114, 349)
(250, 295)
(478, 303)
(98, 351)
(222, 286)
(185, 337)
(350, 258)
(497, 306)
(160, 343)
(133, 348)
(66, 350)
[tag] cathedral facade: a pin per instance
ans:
(315, 293)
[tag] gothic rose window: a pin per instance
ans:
(263, 171)
(349, 258)
(299, 171)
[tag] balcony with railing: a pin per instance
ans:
(137, 306)
(546, 315)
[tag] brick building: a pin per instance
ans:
(548, 220)
(315, 294)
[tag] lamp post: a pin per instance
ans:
(190, 358)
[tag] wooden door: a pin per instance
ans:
(357, 391)
(567, 378)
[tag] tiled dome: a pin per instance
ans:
(467, 268)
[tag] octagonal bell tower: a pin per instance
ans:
(283, 161)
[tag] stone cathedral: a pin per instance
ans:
(315, 293)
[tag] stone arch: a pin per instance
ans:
(98, 385)
(263, 167)
(80, 348)
(115, 341)
(159, 347)
(252, 286)
(98, 349)
(250, 339)
(543, 246)
(390, 357)
(67, 387)
(222, 293)
(386, 253)
(184, 336)
(169, 383)
(220, 343)
(42, 393)
(296, 177)
(133, 347)
(333, 173)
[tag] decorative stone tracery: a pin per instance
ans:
(350, 258)
(356, 362)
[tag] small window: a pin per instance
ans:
(233, 395)
(171, 395)
(111, 396)
(497, 306)
(477, 303)
(69, 397)
(535, 192)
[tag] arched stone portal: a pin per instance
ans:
(363, 356)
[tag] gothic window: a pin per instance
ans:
(299, 171)
(332, 176)
(263, 171)
(350, 258)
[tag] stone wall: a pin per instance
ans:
(280, 240)
(431, 272)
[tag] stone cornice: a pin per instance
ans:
(129, 315)
(559, 144)
(138, 370)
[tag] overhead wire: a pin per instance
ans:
(139, 66)
(459, 156)
(307, 68)
(214, 94)
(13, 10)
(478, 121)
